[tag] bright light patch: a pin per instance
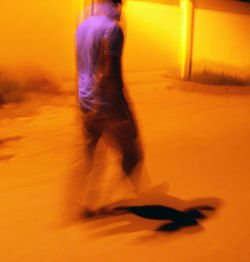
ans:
(153, 36)
(187, 6)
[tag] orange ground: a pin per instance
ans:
(195, 142)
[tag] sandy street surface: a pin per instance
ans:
(197, 147)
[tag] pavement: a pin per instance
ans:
(196, 143)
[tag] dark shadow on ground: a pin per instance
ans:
(153, 212)
(16, 87)
(3, 141)
(219, 78)
(210, 89)
(6, 157)
(24, 89)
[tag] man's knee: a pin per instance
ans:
(130, 161)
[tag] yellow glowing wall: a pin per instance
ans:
(153, 37)
(222, 37)
(42, 33)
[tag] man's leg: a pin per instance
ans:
(124, 130)
(78, 193)
(93, 127)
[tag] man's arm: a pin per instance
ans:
(111, 79)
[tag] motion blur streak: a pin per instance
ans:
(195, 138)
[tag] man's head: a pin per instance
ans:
(117, 2)
(109, 8)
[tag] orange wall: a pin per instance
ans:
(222, 37)
(42, 33)
(153, 37)
(39, 33)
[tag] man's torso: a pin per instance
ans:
(90, 35)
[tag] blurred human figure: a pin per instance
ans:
(102, 101)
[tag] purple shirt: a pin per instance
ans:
(90, 35)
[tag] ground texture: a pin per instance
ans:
(196, 143)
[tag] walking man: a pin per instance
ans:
(100, 86)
